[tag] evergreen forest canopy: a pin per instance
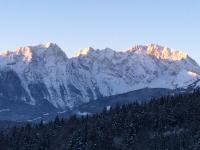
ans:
(167, 123)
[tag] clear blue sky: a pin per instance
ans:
(118, 24)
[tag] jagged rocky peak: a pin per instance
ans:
(49, 44)
(84, 51)
(153, 50)
(165, 53)
(52, 50)
(159, 52)
(137, 48)
(38, 51)
(106, 52)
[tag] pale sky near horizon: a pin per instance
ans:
(118, 24)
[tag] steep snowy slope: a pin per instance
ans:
(43, 74)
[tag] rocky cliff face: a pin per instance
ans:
(42, 74)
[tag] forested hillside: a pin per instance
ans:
(168, 123)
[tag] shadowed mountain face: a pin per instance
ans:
(38, 80)
(11, 87)
(19, 111)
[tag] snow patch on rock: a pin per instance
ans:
(67, 82)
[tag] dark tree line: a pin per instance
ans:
(168, 123)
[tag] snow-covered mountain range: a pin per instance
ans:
(43, 73)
